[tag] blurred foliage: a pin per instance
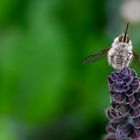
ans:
(46, 93)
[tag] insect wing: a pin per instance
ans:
(136, 56)
(96, 56)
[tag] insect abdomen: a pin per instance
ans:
(119, 62)
(119, 59)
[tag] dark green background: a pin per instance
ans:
(46, 92)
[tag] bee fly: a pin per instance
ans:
(120, 54)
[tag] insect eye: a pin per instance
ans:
(121, 38)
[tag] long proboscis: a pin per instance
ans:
(126, 31)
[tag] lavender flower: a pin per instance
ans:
(124, 113)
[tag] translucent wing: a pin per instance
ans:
(136, 56)
(96, 56)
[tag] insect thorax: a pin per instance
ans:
(120, 54)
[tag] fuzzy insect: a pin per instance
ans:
(119, 55)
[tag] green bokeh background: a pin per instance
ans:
(46, 93)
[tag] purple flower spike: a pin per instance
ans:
(110, 137)
(124, 112)
(123, 131)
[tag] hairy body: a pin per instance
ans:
(120, 54)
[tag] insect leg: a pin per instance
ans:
(128, 58)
